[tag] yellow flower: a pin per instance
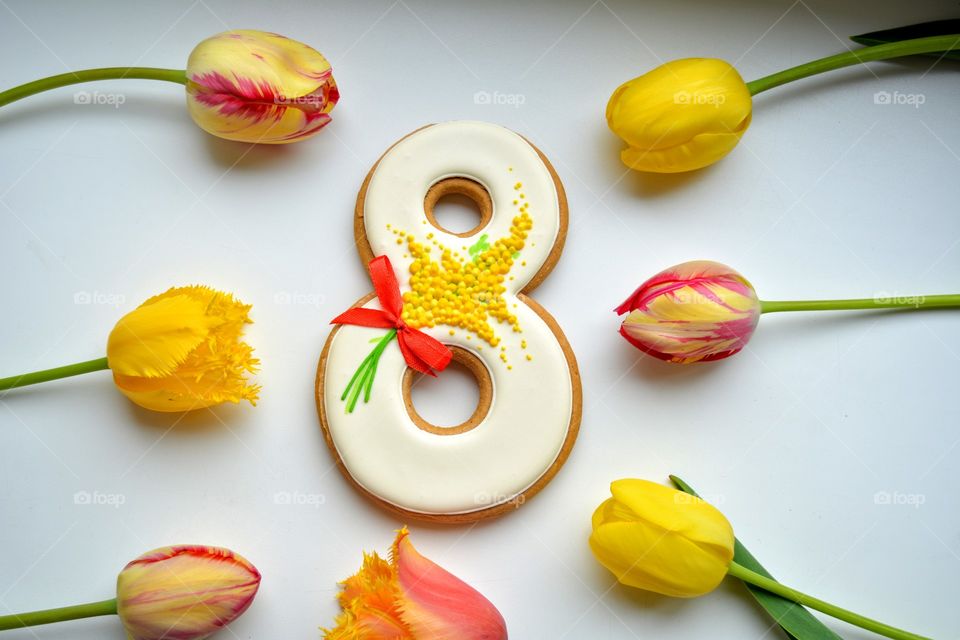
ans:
(662, 540)
(683, 115)
(181, 350)
(255, 86)
(185, 592)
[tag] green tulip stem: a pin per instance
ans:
(91, 75)
(56, 373)
(878, 302)
(757, 580)
(47, 616)
(934, 44)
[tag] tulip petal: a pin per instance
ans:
(672, 511)
(658, 560)
(155, 338)
(436, 604)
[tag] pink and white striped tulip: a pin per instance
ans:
(184, 592)
(695, 311)
(255, 86)
(412, 598)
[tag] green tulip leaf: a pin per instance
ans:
(921, 30)
(796, 621)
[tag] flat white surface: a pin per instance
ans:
(829, 195)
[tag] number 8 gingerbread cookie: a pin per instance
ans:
(440, 296)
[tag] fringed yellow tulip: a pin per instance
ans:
(681, 116)
(662, 540)
(411, 598)
(181, 350)
(255, 86)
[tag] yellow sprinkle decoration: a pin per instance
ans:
(465, 294)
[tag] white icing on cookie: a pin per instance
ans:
(524, 431)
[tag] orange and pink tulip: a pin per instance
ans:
(411, 598)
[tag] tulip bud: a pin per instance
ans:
(255, 86)
(184, 592)
(181, 350)
(411, 598)
(662, 540)
(694, 311)
(683, 115)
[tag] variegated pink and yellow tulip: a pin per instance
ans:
(703, 310)
(694, 311)
(184, 592)
(411, 598)
(255, 86)
(245, 85)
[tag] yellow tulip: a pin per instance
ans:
(683, 115)
(181, 350)
(662, 540)
(255, 86)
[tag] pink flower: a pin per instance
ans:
(694, 311)
(411, 598)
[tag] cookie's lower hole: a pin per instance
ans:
(453, 402)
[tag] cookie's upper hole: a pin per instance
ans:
(459, 206)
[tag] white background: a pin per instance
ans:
(829, 195)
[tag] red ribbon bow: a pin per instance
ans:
(422, 352)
